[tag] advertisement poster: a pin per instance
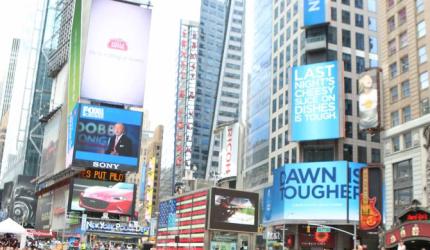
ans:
(149, 189)
(50, 145)
(368, 100)
(102, 196)
(216, 245)
(314, 191)
(234, 210)
(107, 138)
(314, 12)
(229, 151)
(72, 122)
(73, 87)
(43, 212)
(316, 104)
(116, 53)
(24, 201)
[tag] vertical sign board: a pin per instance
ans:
(142, 182)
(72, 122)
(371, 198)
(316, 104)
(369, 94)
(331, 188)
(149, 190)
(229, 151)
(116, 53)
(74, 84)
(314, 12)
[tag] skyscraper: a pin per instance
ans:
(7, 89)
(256, 170)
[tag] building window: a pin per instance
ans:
(362, 154)
(391, 23)
(280, 141)
(407, 114)
(402, 199)
(425, 106)
(348, 85)
(332, 35)
(376, 155)
(402, 170)
(372, 25)
(396, 143)
(421, 29)
(359, 4)
(273, 146)
(392, 47)
(361, 134)
(390, 3)
(346, 17)
(405, 89)
(346, 2)
(348, 129)
(347, 62)
(393, 70)
(274, 85)
(346, 38)
(403, 40)
(274, 106)
(422, 54)
(333, 14)
(294, 155)
(419, 4)
(347, 152)
(272, 164)
(394, 94)
(286, 157)
(359, 20)
(424, 80)
(359, 41)
(371, 5)
(273, 124)
(373, 45)
(281, 101)
(286, 117)
(407, 139)
(286, 138)
(280, 120)
(402, 16)
(404, 64)
(360, 64)
(395, 121)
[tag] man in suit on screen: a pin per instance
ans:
(119, 144)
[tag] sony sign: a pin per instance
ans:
(229, 150)
(314, 12)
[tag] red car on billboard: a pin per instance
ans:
(117, 199)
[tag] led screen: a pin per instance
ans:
(233, 210)
(102, 196)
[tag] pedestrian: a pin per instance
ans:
(401, 246)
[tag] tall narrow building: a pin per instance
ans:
(404, 47)
(7, 89)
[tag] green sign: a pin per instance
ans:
(74, 84)
(323, 230)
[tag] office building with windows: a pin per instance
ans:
(404, 46)
(348, 34)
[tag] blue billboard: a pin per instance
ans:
(315, 102)
(314, 12)
(106, 138)
(314, 191)
(142, 182)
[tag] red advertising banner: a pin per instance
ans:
(408, 231)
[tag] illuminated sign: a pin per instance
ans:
(314, 12)
(131, 228)
(316, 105)
(229, 151)
(331, 188)
(419, 230)
(116, 53)
(102, 175)
(370, 215)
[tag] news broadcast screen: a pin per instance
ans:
(107, 138)
(102, 196)
(233, 210)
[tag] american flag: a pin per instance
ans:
(185, 217)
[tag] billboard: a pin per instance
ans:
(74, 84)
(314, 12)
(23, 207)
(106, 138)
(102, 196)
(142, 183)
(149, 189)
(369, 106)
(43, 212)
(233, 210)
(116, 53)
(50, 145)
(72, 122)
(300, 189)
(371, 198)
(229, 151)
(316, 102)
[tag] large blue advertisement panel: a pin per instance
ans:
(315, 102)
(313, 191)
(314, 12)
(107, 138)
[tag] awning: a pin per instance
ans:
(40, 233)
(408, 231)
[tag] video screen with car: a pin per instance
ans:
(102, 196)
(232, 209)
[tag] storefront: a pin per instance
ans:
(413, 229)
